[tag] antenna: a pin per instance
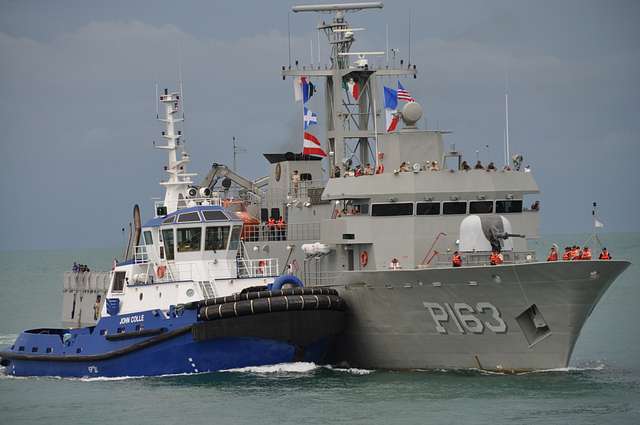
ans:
(410, 36)
(156, 102)
(289, 35)
(386, 50)
(507, 154)
(236, 150)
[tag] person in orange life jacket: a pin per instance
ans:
(586, 254)
(358, 171)
(604, 255)
(577, 253)
(553, 254)
(456, 260)
(495, 258)
(280, 228)
(271, 226)
(567, 254)
(380, 167)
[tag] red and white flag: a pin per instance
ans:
(312, 145)
(354, 88)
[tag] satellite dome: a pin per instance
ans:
(411, 114)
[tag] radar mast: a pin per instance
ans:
(349, 120)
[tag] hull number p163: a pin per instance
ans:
(466, 318)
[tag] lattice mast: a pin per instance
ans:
(348, 120)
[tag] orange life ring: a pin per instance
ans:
(160, 271)
(364, 259)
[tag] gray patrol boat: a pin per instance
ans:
(385, 239)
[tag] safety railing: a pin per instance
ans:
(262, 267)
(305, 189)
(280, 232)
(484, 258)
(312, 277)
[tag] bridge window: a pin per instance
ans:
(216, 238)
(481, 207)
(189, 239)
(235, 238)
(148, 239)
(118, 281)
(169, 220)
(428, 208)
(214, 215)
(514, 206)
(167, 235)
(189, 217)
(385, 210)
(454, 208)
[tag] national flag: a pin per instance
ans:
(391, 108)
(309, 118)
(308, 89)
(354, 88)
(311, 146)
(403, 94)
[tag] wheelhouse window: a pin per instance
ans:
(216, 238)
(214, 215)
(167, 236)
(148, 238)
(189, 217)
(189, 239)
(234, 241)
(454, 208)
(385, 210)
(169, 220)
(118, 281)
(481, 207)
(512, 206)
(428, 208)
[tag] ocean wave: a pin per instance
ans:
(351, 370)
(7, 339)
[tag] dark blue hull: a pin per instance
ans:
(155, 343)
(178, 356)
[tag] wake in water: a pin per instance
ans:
(297, 367)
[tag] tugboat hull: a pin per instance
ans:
(185, 342)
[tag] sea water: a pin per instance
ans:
(601, 386)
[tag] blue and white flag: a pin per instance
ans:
(309, 118)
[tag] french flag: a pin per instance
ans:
(311, 146)
(391, 108)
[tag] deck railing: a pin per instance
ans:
(281, 232)
(261, 267)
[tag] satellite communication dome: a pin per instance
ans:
(477, 233)
(411, 114)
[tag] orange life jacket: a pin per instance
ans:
(271, 223)
(456, 260)
(586, 255)
(280, 223)
(380, 169)
(553, 256)
(566, 256)
(495, 259)
(604, 255)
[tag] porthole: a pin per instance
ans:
(190, 292)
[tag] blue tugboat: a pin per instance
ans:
(187, 298)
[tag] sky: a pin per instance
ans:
(77, 107)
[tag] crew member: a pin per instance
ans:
(97, 306)
(456, 260)
(280, 226)
(495, 258)
(604, 255)
(380, 167)
(394, 264)
(271, 226)
(576, 253)
(567, 254)
(553, 254)
(586, 254)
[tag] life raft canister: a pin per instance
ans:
(364, 259)
(160, 271)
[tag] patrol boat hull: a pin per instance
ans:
(507, 317)
(294, 329)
